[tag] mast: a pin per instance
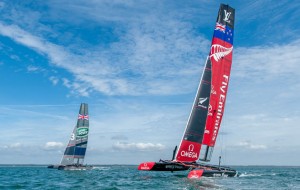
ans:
(76, 148)
(205, 118)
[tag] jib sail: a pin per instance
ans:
(208, 108)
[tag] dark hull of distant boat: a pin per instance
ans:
(53, 166)
(70, 167)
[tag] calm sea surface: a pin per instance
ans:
(128, 177)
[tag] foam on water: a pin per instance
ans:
(100, 168)
(128, 177)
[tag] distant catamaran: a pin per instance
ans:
(75, 151)
(205, 119)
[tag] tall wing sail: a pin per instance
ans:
(75, 151)
(205, 118)
(221, 59)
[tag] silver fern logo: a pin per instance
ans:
(217, 51)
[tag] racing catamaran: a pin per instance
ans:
(204, 122)
(75, 151)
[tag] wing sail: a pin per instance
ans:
(208, 108)
(76, 148)
(221, 59)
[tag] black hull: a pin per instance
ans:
(161, 166)
(70, 167)
(53, 166)
(196, 168)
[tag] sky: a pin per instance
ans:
(138, 64)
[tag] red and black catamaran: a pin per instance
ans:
(205, 119)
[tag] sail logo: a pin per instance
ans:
(209, 110)
(82, 131)
(190, 153)
(213, 91)
(217, 51)
(86, 117)
(227, 15)
(220, 27)
(220, 108)
(201, 101)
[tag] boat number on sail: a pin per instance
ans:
(190, 153)
(82, 131)
(227, 15)
(72, 136)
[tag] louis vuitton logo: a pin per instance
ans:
(227, 15)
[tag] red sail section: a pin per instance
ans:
(188, 151)
(221, 60)
(220, 79)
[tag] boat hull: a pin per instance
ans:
(70, 167)
(197, 169)
(162, 166)
(198, 173)
(53, 166)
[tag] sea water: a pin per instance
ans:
(128, 177)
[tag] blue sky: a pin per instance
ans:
(138, 64)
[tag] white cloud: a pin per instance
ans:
(31, 68)
(54, 80)
(124, 146)
(13, 146)
(2, 4)
(145, 60)
(119, 137)
(249, 145)
(53, 145)
(268, 61)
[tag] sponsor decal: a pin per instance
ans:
(190, 153)
(220, 108)
(201, 101)
(82, 131)
(217, 51)
(173, 167)
(213, 91)
(195, 174)
(146, 166)
(220, 175)
(227, 15)
(209, 110)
